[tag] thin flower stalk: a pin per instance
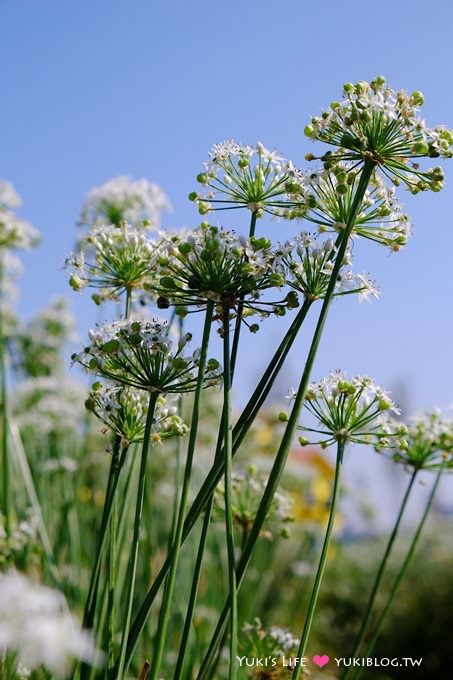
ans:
(285, 445)
(377, 582)
(401, 573)
(133, 560)
(170, 582)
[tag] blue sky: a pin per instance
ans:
(96, 88)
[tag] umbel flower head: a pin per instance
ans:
(123, 412)
(113, 259)
(37, 628)
(122, 199)
(141, 354)
(350, 410)
(380, 217)
(427, 443)
(247, 492)
(309, 268)
(15, 233)
(239, 176)
(375, 122)
(215, 264)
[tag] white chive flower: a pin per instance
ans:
(375, 122)
(36, 627)
(122, 199)
(141, 354)
(239, 176)
(15, 233)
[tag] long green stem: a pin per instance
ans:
(207, 489)
(322, 561)
(380, 572)
(164, 615)
(282, 454)
(401, 573)
(136, 535)
(112, 581)
(229, 526)
(6, 485)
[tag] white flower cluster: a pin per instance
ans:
(22, 542)
(48, 404)
(15, 233)
(122, 199)
(376, 122)
(37, 628)
(239, 176)
(216, 264)
(269, 642)
(427, 443)
(309, 268)
(380, 217)
(113, 259)
(247, 492)
(350, 410)
(123, 411)
(141, 354)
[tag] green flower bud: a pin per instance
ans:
(303, 441)
(341, 189)
(309, 130)
(420, 148)
(193, 196)
(179, 364)
(184, 248)
(202, 178)
(111, 346)
(167, 282)
(418, 98)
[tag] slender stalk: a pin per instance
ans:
(112, 582)
(285, 445)
(164, 615)
(229, 526)
(380, 572)
(136, 536)
(6, 485)
(401, 573)
(322, 561)
(207, 489)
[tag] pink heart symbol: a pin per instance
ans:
(321, 660)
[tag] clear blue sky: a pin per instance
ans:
(95, 88)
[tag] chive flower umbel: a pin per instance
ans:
(122, 199)
(123, 412)
(15, 233)
(375, 122)
(350, 410)
(141, 354)
(239, 176)
(113, 259)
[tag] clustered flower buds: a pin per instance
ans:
(380, 217)
(122, 199)
(123, 412)
(427, 443)
(350, 410)
(141, 354)
(375, 122)
(215, 264)
(238, 176)
(309, 267)
(247, 491)
(113, 259)
(15, 233)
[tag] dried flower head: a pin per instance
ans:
(141, 354)
(238, 176)
(375, 122)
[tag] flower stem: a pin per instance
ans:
(164, 615)
(215, 474)
(402, 572)
(379, 575)
(322, 561)
(285, 445)
(6, 486)
(136, 535)
(228, 454)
